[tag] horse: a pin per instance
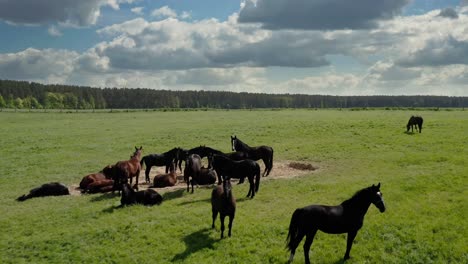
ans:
(99, 186)
(348, 217)
(164, 159)
(206, 176)
(414, 121)
(264, 153)
(192, 169)
(47, 189)
(123, 170)
(226, 167)
(224, 203)
(204, 151)
(146, 197)
(165, 180)
(182, 155)
(105, 173)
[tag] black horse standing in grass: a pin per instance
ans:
(224, 203)
(414, 121)
(348, 217)
(192, 169)
(47, 189)
(264, 153)
(164, 159)
(228, 168)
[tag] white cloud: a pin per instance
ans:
(33, 64)
(138, 10)
(54, 31)
(164, 12)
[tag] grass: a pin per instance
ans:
(424, 181)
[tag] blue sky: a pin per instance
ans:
(337, 47)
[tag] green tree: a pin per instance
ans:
(54, 100)
(2, 102)
(18, 103)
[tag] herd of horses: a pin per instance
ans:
(241, 163)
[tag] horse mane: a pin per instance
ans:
(243, 145)
(357, 196)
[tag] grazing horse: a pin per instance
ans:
(164, 159)
(166, 180)
(414, 121)
(125, 169)
(47, 189)
(146, 197)
(264, 153)
(348, 217)
(224, 203)
(226, 167)
(192, 169)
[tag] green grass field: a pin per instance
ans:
(424, 181)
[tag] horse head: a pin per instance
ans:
(376, 197)
(233, 142)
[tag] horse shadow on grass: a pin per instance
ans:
(104, 196)
(195, 242)
(173, 195)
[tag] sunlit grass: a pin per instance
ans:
(423, 179)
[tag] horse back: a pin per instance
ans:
(330, 219)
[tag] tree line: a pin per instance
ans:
(28, 95)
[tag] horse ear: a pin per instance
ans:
(378, 185)
(141, 147)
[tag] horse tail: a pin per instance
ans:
(257, 177)
(293, 230)
(143, 160)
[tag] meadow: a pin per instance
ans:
(424, 182)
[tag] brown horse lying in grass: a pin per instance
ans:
(99, 186)
(166, 180)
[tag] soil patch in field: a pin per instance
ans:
(281, 170)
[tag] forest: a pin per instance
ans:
(31, 95)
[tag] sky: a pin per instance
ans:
(328, 47)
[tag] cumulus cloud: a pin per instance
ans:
(318, 14)
(70, 12)
(438, 52)
(33, 64)
(449, 13)
(137, 10)
(164, 12)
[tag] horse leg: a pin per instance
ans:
(147, 172)
(221, 218)
(136, 179)
(188, 184)
(214, 214)
(349, 243)
(307, 244)
(295, 242)
(265, 161)
(252, 187)
(231, 218)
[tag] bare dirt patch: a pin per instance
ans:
(281, 170)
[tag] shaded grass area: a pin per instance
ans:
(423, 179)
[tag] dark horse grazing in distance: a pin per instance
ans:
(224, 203)
(125, 169)
(146, 197)
(414, 121)
(47, 189)
(164, 159)
(264, 153)
(228, 168)
(348, 217)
